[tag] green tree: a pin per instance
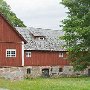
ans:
(11, 17)
(77, 32)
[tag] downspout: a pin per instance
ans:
(22, 53)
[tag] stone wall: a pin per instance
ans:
(19, 73)
(35, 71)
(68, 70)
(12, 73)
(54, 71)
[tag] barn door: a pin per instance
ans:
(45, 72)
(88, 72)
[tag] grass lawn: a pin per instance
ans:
(47, 84)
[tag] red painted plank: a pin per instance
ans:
(45, 58)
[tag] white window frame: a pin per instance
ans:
(60, 54)
(10, 54)
(28, 54)
(41, 38)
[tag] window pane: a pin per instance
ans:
(10, 53)
(60, 54)
(60, 69)
(29, 71)
(28, 54)
(13, 55)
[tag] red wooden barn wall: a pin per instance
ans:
(45, 58)
(9, 39)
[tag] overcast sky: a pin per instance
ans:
(39, 13)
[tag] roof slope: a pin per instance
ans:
(50, 43)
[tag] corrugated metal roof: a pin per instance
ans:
(51, 41)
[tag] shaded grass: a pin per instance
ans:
(47, 84)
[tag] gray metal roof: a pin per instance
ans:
(51, 41)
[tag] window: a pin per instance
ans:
(51, 69)
(41, 38)
(28, 54)
(60, 69)
(10, 52)
(29, 71)
(60, 54)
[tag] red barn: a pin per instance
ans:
(32, 51)
(11, 45)
(44, 50)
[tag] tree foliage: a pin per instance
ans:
(77, 32)
(11, 17)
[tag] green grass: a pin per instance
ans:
(47, 84)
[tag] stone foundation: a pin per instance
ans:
(12, 73)
(19, 73)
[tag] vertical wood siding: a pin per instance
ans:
(45, 58)
(9, 39)
(10, 61)
(7, 34)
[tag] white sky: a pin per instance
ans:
(39, 13)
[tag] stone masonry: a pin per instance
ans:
(19, 73)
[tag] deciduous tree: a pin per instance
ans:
(77, 32)
(11, 17)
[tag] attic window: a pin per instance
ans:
(41, 38)
(28, 54)
(60, 54)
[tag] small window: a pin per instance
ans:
(60, 54)
(10, 52)
(28, 54)
(29, 71)
(41, 38)
(51, 69)
(60, 69)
